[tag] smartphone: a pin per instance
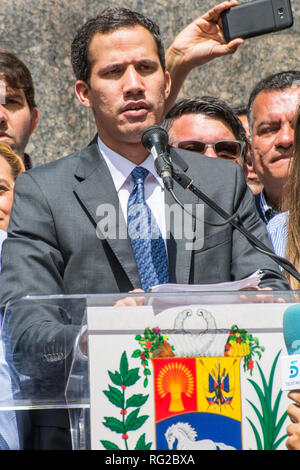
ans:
(256, 18)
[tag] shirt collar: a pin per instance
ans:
(267, 211)
(27, 162)
(120, 168)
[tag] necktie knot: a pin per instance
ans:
(139, 174)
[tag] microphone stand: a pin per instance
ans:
(187, 183)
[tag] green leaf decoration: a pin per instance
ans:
(116, 378)
(152, 342)
(136, 400)
(134, 422)
(118, 397)
(266, 404)
(131, 377)
(280, 424)
(110, 445)
(136, 353)
(276, 444)
(257, 438)
(115, 396)
(240, 343)
(272, 373)
(124, 365)
(114, 424)
(141, 444)
(268, 416)
(274, 415)
(262, 423)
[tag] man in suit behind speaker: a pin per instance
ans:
(58, 241)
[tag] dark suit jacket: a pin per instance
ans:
(52, 248)
(258, 207)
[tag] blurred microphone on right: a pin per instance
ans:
(290, 365)
(291, 329)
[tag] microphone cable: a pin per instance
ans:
(187, 183)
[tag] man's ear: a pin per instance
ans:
(167, 84)
(82, 91)
(34, 119)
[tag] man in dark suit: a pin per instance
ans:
(59, 242)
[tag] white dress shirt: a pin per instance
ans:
(120, 169)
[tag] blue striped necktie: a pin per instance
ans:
(3, 443)
(145, 236)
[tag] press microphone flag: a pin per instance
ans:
(290, 365)
(291, 329)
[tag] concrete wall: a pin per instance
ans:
(40, 33)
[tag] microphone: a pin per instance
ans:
(155, 140)
(291, 329)
(290, 365)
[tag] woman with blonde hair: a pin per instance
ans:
(11, 165)
(291, 203)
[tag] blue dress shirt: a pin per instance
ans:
(276, 224)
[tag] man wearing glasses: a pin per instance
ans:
(207, 126)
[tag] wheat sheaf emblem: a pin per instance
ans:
(176, 379)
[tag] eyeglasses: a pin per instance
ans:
(229, 149)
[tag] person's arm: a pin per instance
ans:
(41, 333)
(198, 43)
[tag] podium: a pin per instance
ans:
(168, 371)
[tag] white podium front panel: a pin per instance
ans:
(204, 375)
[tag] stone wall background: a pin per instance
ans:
(40, 33)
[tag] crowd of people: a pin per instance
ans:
(249, 164)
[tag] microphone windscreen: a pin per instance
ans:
(291, 329)
(154, 135)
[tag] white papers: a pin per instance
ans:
(250, 282)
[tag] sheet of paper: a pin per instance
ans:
(250, 282)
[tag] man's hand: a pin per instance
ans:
(293, 430)
(261, 297)
(83, 343)
(198, 43)
(126, 302)
(131, 301)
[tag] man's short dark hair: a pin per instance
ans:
(240, 109)
(275, 82)
(17, 75)
(111, 19)
(212, 107)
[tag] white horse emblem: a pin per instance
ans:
(186, 437)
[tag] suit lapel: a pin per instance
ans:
(95, 188)
(181, 233)
(96, 192)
